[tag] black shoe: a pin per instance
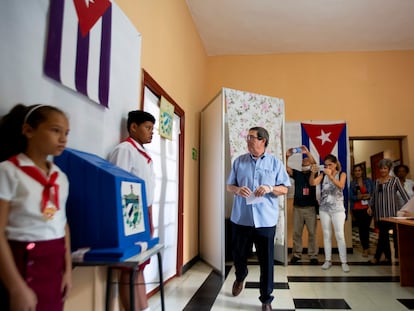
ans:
(314, 261)
(295, 259)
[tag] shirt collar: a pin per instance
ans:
(137, 144)
(24, 160)
(260, 157)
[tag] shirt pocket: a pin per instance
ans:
(266, 176)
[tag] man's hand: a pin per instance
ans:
(262, 190)
(244, 192)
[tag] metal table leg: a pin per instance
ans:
(161, 280)
(108, 288)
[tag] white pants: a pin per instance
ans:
(338, 221)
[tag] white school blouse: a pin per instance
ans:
(25, 221)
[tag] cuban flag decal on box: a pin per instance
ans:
(87, 44)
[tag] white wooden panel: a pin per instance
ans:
(212, 184)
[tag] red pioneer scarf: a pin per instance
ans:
(146, 155)
(37, 175)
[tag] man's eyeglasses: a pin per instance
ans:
(251, 137)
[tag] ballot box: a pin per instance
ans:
(106, 208)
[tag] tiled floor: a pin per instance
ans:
(297, 287)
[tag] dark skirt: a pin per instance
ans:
(41, 265)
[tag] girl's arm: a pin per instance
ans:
(22, 297)
(401, 190)
(315, 180)
(67, 275)
(339, 183)
(353, 192)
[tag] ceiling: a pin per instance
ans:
(290, 26)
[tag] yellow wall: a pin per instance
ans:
(372, 91)
(172, 53)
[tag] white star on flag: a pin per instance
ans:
(324, 137)
(87, 2)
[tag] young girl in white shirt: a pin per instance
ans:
(35, 261)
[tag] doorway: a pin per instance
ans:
(369, 151)
(365, 149)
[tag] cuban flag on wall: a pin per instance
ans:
(321, 138)
(87, 44)
(324, 139)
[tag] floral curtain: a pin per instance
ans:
(246, 110)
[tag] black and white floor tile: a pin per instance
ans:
(297, 287)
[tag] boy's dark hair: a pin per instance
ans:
(12, 140)
(138, 117)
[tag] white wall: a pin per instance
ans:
(23, 29)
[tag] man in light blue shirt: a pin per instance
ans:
(256, 179)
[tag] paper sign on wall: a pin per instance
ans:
(166, 118)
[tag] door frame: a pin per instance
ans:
(156, 89)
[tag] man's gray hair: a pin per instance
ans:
(261, 133)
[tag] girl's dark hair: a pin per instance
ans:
(333, 159)
(261, 134)
(12, 140)
(364, 175)
(397, 168)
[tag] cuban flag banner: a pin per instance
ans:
(88, 42)
(321, 138)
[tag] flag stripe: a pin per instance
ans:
(54, 41)
(305, 137)
(95, 35)
(105, 59)
(81, 69)
(342, 149)
(69, 45)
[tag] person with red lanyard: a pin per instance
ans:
(131, 156)
(360, 192)
(35, 257)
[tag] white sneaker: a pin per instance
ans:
(326, 265)
(345, 267)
